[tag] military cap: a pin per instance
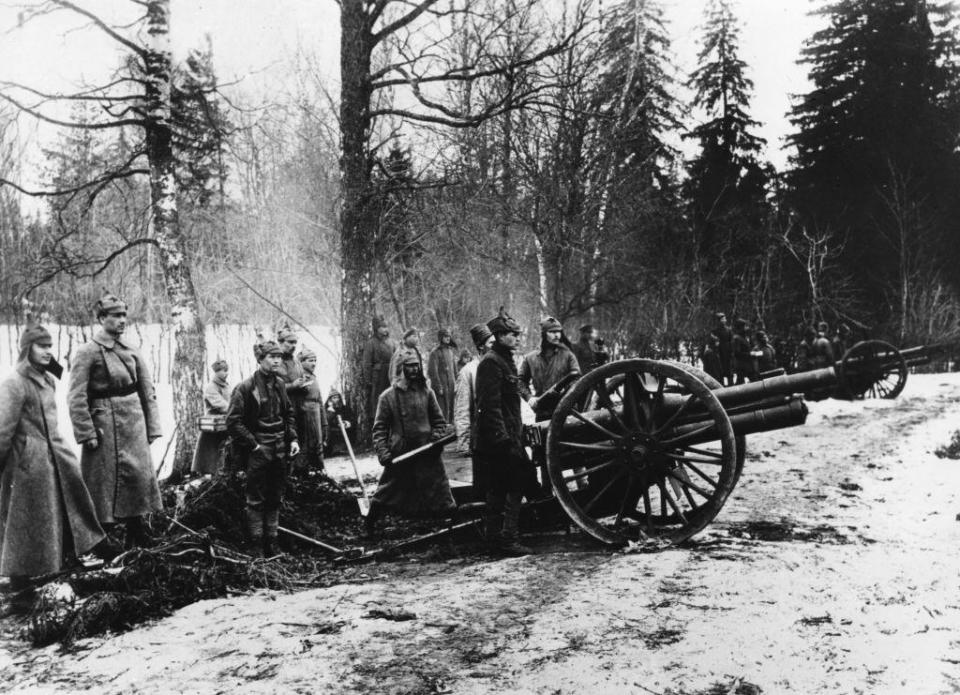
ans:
(109, 303)
(586, 328)
(266, 347)
(409, 332)
(443, 333)
(219, 364)
(503, 323)
(550, 324)
(306, 353)
(285, 332)
(411, 358)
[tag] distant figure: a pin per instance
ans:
(312, 427)
(46, 514)
(822, 354)
(743, 365)
(584, 349)
(336, 412)
(842, 341)
(375, 367)
(291, 372)
(114, 413)
(465, 403)
(463, 359)
(262, 423)
(408, 417)
(764, 354)
(442, 372)
(724, 346)
(410, 345)
(216, 401)
(711, 358)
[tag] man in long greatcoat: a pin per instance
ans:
(312, 428)
(114, 413)
(46, 514)
(408, 417)
(375, 366)
(216, 400)
(442, 372)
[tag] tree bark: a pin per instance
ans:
(187, 365)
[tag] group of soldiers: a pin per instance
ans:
(734, 355)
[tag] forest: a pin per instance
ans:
(485, 153)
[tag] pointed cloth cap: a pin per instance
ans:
(109, 303)
(219, 364)
(263, 347)
(306, 353)
(550, 324)
(409, 332)
(285, 332)
(503, 323)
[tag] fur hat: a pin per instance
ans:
(35, 333)
(285, 332)
(586, 328)
(411, 358)
(409, 332)
(264, 347)
(503, 323)
(480, 334)
(378, 322)
(550, 324)
(219, 364)
(108, 304)
(443, 333)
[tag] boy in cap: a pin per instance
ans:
(261, 421)
(408, 417)
(114, 413)
(216, 401)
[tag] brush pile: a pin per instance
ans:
(199, 554)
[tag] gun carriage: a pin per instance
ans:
(649, 451)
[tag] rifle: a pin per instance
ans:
(440, 443)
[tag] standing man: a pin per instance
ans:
(113, 409)
(498, 446)
(261, 421)
(375, 367)
(291, 372)
(711, 358)
(743, 364)
(336, 412)
(465, 402)
(409, 346)
(765, 354)
(545, 367)
(724, 346)
(842, 341)
(442, 372)
(408, 417)
(584, 349)
(311, 417)
(216, 401)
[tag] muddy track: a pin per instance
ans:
(832, 569)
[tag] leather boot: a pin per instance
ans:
(373, 516)
(138, 535)
(255, 531)
(271, 522)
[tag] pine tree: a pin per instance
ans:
(727, 184)
(880, 123)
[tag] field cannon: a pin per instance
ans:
(648, 451)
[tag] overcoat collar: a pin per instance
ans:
(24, 368)
(101, 337)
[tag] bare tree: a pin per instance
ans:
(137, 98)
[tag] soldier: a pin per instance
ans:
(312, 427)
(261, 421)
(216, 401)
(743, 365)
(338, 412)
(546, 366)
(765, 355)
(711, 358)
(584, 350)
(291, 372)
(498, 447)
(724, 346)
(113, 409)
(408, 416)
(46, 514)
(822, 353)
(842, 341)
(465, 403)
(442, 372)
(410, 345)
(375, 366)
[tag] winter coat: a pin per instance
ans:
(821, 353)
(375, 368)
(312, 419)
(725, 348)
(442, 372)
(290, 371)
(545, 367)
(586, 357)
(711, 363)
(111, 396)
(501, 462)
(767, 359)
(408, 416)
(465, 405)
(249, 401)
(216, 397)
(45, 508)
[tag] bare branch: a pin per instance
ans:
(107, 29)
(403, 21)
(70, 124)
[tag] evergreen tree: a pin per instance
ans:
(726, 189)
(876, 136)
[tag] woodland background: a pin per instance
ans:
(479, 153)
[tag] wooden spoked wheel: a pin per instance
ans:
(872, 369)
(657, 460)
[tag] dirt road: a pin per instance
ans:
(834, 568)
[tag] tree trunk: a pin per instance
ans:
(187, 365)
(357, 224)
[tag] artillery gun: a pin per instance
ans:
(648, 451)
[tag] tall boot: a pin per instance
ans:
(138, 535)
(271, 522)
(255, 531)
(509, 544)
(374, 514)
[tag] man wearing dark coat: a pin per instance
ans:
(584, 349)
(46, 513)
(114, 413)
(498, 446)
(545, 367)
(743, 362)
(311, 416)
(711, 358)
(261, 422)
(408, 417)
(764, 352)
(375, 366)
(724, 346)
(442, 372)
